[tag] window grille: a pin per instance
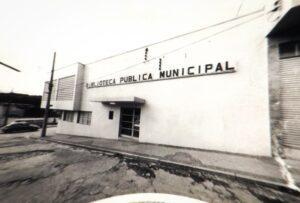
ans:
(68, 116)
(84, 117)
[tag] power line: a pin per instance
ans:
(63, 67)
(239, 9)
(167, 53)
(174, 50)
(178, 36)
(169, 39)
(177, 49)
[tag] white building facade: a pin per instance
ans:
(214, 89)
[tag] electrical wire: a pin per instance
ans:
(178, 36)
(177, 49)
(239, 9)
(167, 53)
(172, 38)
(63, 67)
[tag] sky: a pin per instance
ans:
(88, 30)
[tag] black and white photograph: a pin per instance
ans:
(143, 101)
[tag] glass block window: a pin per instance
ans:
(84, 117)
(68, 116)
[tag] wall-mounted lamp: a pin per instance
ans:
(146, 54)
(159, 63)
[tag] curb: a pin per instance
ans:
(231, 175)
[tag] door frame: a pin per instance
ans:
(120, 120)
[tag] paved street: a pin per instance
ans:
(33, 170)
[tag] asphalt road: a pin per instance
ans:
(33, 170)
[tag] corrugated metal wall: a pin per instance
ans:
(66, 88)
(290, 101)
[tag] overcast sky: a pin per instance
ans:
(87, 30)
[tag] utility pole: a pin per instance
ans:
(46, 114)
(8, 66)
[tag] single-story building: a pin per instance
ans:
(230, 87)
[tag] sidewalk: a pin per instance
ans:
(262, 169)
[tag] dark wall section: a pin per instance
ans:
(20, 106)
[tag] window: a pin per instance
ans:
(84, 117)
(59, 114)
(68, 116)
(289, 49)
(111, 115)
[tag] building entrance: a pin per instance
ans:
(130, 122)
(290, 101)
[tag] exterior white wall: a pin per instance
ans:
(100, 126)
(225, 112)
(79, 84)
(291, 3)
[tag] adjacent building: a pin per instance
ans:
(232, 87)
(14, 106)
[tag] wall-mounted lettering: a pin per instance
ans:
(191, 71)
